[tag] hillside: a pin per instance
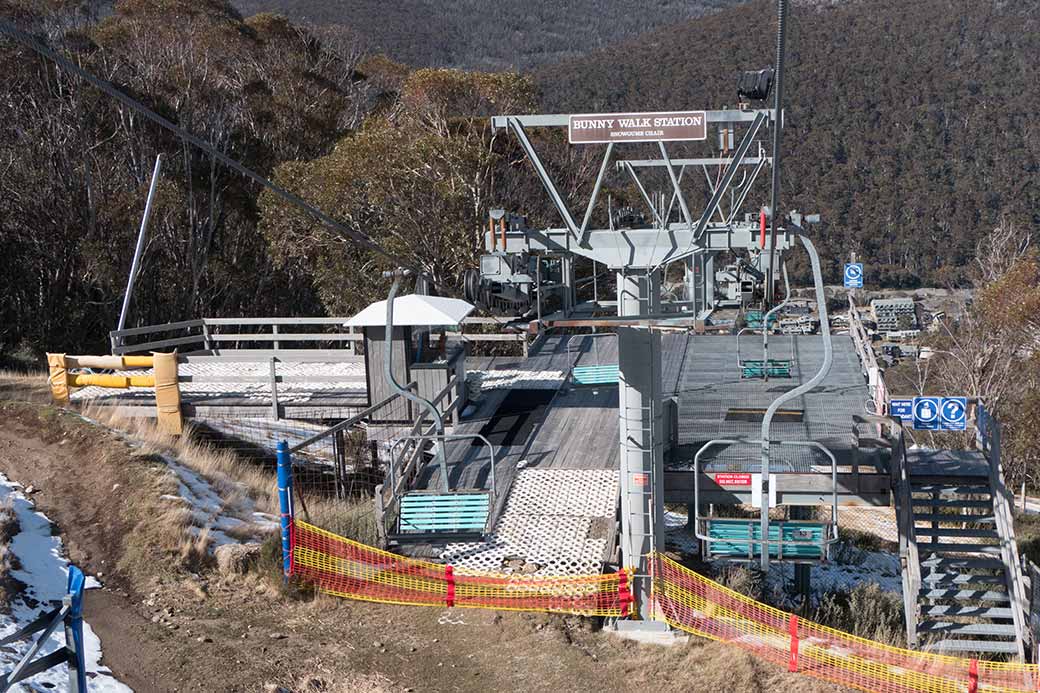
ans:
(911, 125)
(474, 34)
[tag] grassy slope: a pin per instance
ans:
(169, 624)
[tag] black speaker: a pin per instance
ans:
(754, 85)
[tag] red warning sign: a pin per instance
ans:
(733, 479)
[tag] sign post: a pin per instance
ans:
(926, 413)
(954, 413)
(853, 275)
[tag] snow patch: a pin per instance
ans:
(43, 569)
(482, 381)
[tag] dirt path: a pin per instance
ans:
(167, 626)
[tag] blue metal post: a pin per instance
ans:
(285, 503)
(74, 632)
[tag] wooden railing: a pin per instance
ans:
(250, 335)
(267, 336)
(1031, 573)
(909, 557)
(1003, 504)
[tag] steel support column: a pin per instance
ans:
(641, 430)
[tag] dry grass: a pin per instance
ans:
(234, 478)
(867, 611)
(230, 476)
(9, 527)
(26, 387)
(195, 550)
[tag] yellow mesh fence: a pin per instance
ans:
(698, 605)
(338, 566)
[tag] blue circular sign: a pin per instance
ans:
(926, 410)
(853, 271)
(953, 410)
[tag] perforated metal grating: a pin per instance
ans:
(556, 522)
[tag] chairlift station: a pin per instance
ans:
(620, 406)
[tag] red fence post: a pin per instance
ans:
(449, 576)
(792, 629)
(973, 676)
(624, 593)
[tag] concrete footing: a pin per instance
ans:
(649, 633)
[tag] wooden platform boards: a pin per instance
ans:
(305, 387)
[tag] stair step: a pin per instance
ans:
(944, 490)
(949, 517)
(951, 628)
(1002, 646)
(967, 611)
(965, 595)
(949, 547)
(957, 503)
(948, 563)
(956, 532)
(951, 579)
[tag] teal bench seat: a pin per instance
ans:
(774, 368)
(595, 375)
(447, 513)
(730, 539)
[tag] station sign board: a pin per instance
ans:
(953, 414)
(664, 126)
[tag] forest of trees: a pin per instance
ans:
(482, 35)
(910, 125)
(75, 165)
(910, 128)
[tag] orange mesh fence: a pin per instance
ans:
(345, 568)
(697, 605)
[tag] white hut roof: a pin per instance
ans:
(414, 310)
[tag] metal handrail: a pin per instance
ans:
(207, 338)
(766, 317)
(416, 430)
(764, 540)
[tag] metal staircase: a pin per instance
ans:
(962, 581)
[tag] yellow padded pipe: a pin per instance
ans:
(57, 376)
(114, 381)
(115, 363)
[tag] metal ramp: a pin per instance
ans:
(962, 584)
